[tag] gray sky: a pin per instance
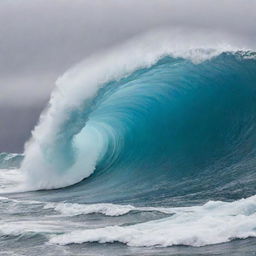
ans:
(40, 39)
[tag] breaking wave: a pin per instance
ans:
(168, 127)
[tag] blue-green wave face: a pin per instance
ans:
(169, 129)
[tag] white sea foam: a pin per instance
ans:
(11, 180)
(108, 209)
(212, 223)
(74, 209)
(48, 226)
(69, 209)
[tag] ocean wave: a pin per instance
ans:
(212, 223)
(73, 137)
(108, 209)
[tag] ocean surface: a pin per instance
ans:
(139, 152)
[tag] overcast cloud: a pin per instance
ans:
(40, 39)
